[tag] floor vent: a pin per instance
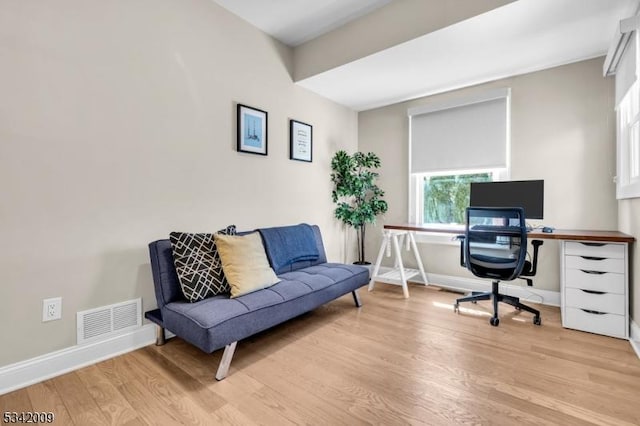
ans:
(109, 320)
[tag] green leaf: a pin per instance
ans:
(358, 198)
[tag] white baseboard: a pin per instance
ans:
(465, 284)
(634, 338)
(34, 370)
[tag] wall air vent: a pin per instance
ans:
(106, 321)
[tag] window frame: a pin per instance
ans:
(628, 144)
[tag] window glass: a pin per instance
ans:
(446, 196)
(634, 140)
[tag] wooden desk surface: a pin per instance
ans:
(558, 234)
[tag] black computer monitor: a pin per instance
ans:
(528, 194)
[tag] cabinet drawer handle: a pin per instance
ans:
(593, 291)
(586, 271)
(593, 258)
(589, 311)
(593, 244)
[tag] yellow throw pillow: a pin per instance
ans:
(245, 263)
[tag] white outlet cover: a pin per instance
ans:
(51, 309)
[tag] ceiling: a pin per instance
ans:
(294, 22)
(520, 37)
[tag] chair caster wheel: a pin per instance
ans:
(494, 321)
(537, 320)
(518, 308)
(475, 302)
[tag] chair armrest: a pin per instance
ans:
(462, 239)
(534, 262)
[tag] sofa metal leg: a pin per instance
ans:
(356, 298)
(160, 337)
(223, 368)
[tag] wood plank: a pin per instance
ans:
(113, 405)
(15, 402)
(229, 415)
(45, 398)
(81, 406)
(148, 407)
(206, 398)
(167, 392)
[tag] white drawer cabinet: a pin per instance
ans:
(595, 289)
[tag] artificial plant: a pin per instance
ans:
(355, 192)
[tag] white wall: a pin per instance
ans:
(563, 131)
(117, 126)
(629, 217)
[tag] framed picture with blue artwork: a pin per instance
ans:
(252, 130)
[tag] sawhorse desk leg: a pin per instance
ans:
(376, 269)
(416, 253)
(399, 275)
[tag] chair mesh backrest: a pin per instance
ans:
(495, 242)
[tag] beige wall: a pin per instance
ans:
(117, 126)
(629, 218)
(562, 131)
(395, 23)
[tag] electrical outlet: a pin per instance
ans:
(52, 309)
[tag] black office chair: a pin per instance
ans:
(495, 246)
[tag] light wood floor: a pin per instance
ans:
(394, 361)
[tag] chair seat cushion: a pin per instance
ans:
(493, 261)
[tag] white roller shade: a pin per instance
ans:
(459, 137)
(626, 72)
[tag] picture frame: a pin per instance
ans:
(300, 141)
(252, 130)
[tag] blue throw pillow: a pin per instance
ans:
(286, 245)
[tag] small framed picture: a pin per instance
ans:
(301, 141)
(252, 130)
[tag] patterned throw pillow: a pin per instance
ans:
(198, 264)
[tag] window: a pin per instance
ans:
(451, 145)
(628, 122)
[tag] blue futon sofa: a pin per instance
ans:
(220, 322)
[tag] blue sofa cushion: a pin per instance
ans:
(217, 321)
(286, 245)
